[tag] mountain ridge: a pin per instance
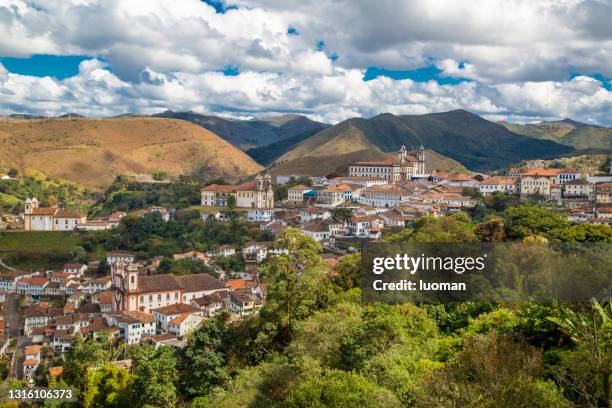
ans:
(460, 135)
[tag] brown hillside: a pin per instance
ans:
(93, 151)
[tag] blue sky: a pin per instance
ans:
(271, 56)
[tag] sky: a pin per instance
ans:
(517, 60)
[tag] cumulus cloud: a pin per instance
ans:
(517, 56)
(330, 97)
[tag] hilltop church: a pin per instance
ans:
(401, 168)
(252, 194)
(36, 218)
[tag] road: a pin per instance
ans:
(19, 356)
(11, 315)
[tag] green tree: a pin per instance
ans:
(203, 362)
(13, 172)
(156, 375)
(348, 271)
(591, 331)
(341, 389)
(82, 355)
(108, 386)
(532, 219)
(298, 285)
(78, 254)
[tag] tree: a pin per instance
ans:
(78, 254)
(591, 331)
(341, 389)
(348, 271)
(343, 214)
(160, 175)
(108, 386)
(156, 374)
(491, 229)
(13, 172)
(298, 285)
(450, 228)
(491, 371)
(582, 233)
(532, 219)
(203, 363)
(387, 325)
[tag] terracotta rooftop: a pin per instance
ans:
(176, 309)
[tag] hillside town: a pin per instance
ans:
(136, 304)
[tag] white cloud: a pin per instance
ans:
(167, 54)
(331, 97)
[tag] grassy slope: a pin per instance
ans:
(589, 138)
(567, 132)
(93, 151)
(34, 250)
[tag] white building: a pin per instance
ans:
(404, 167)
(497, 183)
(385, 196)
(137, 292)
(579, 188)
(36, 218)
(252, 194)
(261, 214)
(295, 194)
(132, 324)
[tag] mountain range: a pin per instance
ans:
(568, 132)
(247, 134)
(466, 138)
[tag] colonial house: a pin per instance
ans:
(361, 181)
(261, 214)
(360, 226)
(603, 193)
(579, 189)
(211, 304)
(497, 183)
(385, 196)
(243, 302)
(565, 175)
(76, 268)
(133, 325)
(165, 315)
(259, 251)
(252, 194)
(538, 182)
(137, 292)
(317, 230)
(115, 257)
(295, 194)
(314, 213)
(184, 324)
(405, 166)
(333, 195)
(36, 218)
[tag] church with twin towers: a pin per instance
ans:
(405, 166)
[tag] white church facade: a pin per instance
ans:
(252, 194)
(401, 168)
(36, 218)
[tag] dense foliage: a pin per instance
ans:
(315, 343)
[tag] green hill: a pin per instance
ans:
(247, 134)
(476, 143)
(589, 138)
(568, 132)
